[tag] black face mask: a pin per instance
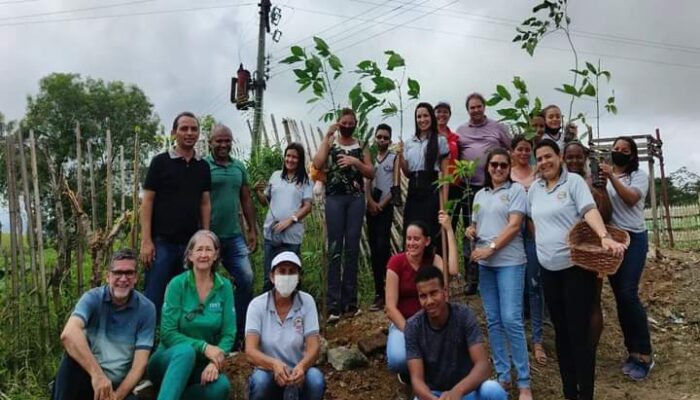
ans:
(620, 159)
(346, 131)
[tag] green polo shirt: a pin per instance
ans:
(226, 183)
(186, 320)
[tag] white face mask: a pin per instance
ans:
(285, 284)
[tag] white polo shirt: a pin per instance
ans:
(283, 340)
(554, 212)
(493, 208)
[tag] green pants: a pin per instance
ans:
(178, 374)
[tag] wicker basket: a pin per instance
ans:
(587, 252)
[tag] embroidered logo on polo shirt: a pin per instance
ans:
(562, 195)
(505, 198)
(215, 307)
(298, 325)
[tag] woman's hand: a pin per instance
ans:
(283, 225)
(345, 161)
(373, 207)
(398, 149)
(606, 170)
(482, 253)
(215, 355)
(617, 248)
(281, 373)
(470, 233)
(331, 130)
(445, 220)
(209, 374)
(297, 375)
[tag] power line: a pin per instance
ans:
(492, 39)
(16, 2)
(133, 14)
(578, 33)
(49, 13)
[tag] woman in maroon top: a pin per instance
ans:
(401, 296)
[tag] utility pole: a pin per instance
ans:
(260, 73)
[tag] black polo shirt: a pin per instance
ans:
(179, 185)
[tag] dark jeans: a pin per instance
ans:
(234, 257)
(344, 218)
(533, 287)
(570, 295)
(625, 286)
(73, 383)
(271, 250)
(168, 263)
(379, 232)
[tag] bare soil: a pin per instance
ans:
(670, 289)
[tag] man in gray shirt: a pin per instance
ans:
(380, 211)
(437, 340)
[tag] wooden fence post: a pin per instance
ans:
(122, 180)
(93, 191)
(80, 248)
(31, 234)
(135, 205)
(11, 195)
(108, 177)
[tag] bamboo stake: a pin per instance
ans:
(265, 136)
(31, 234)
(11, 193)
(309, 156)
(274, 129)
(287, 133)
(445, 254)
(108, 176)
(43, 308)
(122, 180)
(93, 192)
(135, 193)
(313, 137)
(80, 251)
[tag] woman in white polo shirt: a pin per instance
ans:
(282, 337)
(627, 187)
(499, 209)
(557, 201)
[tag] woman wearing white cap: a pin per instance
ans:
(282, 337)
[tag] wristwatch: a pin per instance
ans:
(492, 245)
(294, 218)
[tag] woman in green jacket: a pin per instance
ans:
(197, 329)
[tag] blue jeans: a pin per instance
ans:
(169, 262)
(489, 390)
(234, 257)
(501, 290)
(396, 351)
(262, 386)
(625, 286)
(533, 285)
(271, 250)
(344, 217)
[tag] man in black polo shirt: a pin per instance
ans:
(175, 205)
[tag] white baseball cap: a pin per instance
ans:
(286, 256)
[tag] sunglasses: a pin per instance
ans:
(496, 165)
(382, 137)
(197, 311)
(120, 273)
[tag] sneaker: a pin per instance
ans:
(141, 386)
(404, 378)
(378, 305)
(333, 317)
(628, 365)
(640, 370)
(471, 288)
(352, 311)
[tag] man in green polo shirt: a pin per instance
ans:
(230, 191)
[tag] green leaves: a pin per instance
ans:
(413, 89)
(394, 61)
(567, 89)
(383, 84)
(297, 51)
(503, 92)
(322, 47)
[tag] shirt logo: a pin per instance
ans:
(562, 195)
(215, 307)
(504, 198)
(298, 325)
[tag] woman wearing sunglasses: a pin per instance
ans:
(499, 209)
(197, 329)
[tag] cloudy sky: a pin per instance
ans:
(183, 53)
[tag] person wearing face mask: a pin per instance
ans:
(347, 162)
(627, 187)
(282, 337)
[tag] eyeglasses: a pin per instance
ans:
(382, 137)
(199, 310)
(120, 273)
(496, 165)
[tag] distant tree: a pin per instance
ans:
(683, 187)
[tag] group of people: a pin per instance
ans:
(517, 208)
(190, 223)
